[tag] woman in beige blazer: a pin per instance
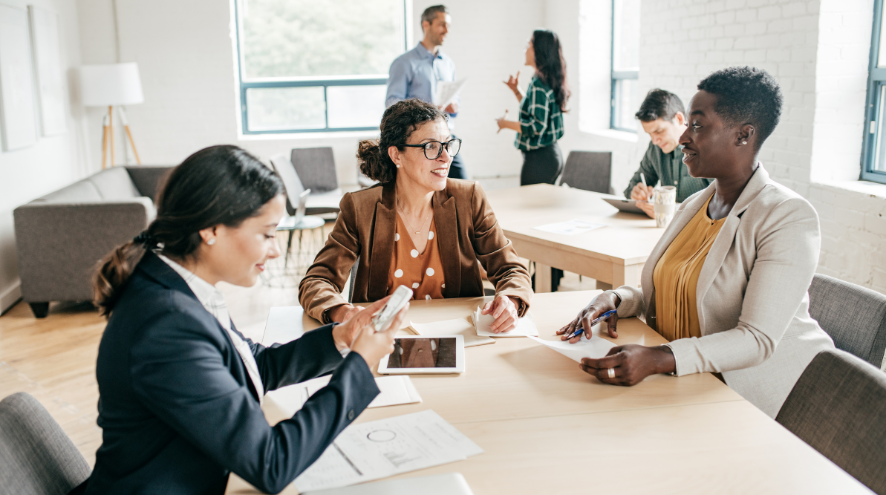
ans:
(751, 295)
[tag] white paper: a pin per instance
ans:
(571, 227)
(483, 323)
(378, 449)
(594, 348)
(447, 91)
(395, 390)
(458, 326)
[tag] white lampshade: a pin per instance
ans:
(112, 84)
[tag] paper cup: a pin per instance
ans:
(664, 202)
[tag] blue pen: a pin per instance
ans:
(600, 318)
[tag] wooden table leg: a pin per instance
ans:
(542, 278)
(626, 275)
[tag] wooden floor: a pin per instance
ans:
(53, 359)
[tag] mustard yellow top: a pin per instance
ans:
(422, 272)
(676, 277)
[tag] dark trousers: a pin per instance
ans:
(541, 166)
(458, 169)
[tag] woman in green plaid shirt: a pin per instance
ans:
(541, 110)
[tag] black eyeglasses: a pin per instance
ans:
(433, 149)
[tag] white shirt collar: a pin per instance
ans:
(209, 296)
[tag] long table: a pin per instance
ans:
(613, 255)
(547, 427)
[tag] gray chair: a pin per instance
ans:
(318, 203)
(316, 170)
(855, 317)
(36, 457)
(837, 407)
(61, 237)
(588, 170)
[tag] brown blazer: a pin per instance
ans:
(467, 231)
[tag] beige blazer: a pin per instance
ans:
(753, 300)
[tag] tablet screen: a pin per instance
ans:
(423, 353)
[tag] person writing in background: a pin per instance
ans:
(662, 116)
(180, 388)
(727, 284)
(415, 74)
(540, 122)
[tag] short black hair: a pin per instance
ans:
(746, 95)
(659, 104)
(431, 12)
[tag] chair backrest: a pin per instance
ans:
(855, 317)
(837, 407)
(315, 168)
(588, 170)
(36, 457)
(291, 182)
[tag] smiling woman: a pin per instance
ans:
(415, 228)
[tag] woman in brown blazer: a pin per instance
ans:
(415, 228)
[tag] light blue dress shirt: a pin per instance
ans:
(415, 74)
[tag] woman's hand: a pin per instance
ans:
(504, 123)
(372, 346)
(504, 311)
(630, 364)
(355, 318)
(606, 301)
(513, 83)
(343, 313)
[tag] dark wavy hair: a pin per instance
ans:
(659, 104)
(550, 66)
(399, 121)
(219, 185)
(746, 95)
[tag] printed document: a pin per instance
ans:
(394, 390)
(572, 227)
(378, 449)
(458, 326)
(525, 326)
(447, 91)
(596, 347)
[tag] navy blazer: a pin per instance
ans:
(178, 411)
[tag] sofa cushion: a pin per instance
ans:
(114, 184)
(78, 192)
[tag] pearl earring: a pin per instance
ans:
(210, 242)
(744, 142)
(398, 166)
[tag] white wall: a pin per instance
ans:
(53, 162)
(185, 56)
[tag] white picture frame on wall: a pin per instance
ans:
(51, 86)
(18, 116)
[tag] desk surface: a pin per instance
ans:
(531, 409)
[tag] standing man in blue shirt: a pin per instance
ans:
(415, 73)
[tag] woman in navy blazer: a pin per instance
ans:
(180, 388)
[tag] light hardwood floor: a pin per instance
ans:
(53, 359)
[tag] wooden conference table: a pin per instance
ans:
(547, 427)
(613, 255)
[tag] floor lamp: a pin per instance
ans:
(109, 86)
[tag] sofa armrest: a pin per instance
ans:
(149, 179)
(60, 244)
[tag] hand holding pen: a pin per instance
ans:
(578, 331)
(601, 308)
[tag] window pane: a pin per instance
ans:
(626, 103)
(355, 106)
(271, 109)
(881, 57)
(300, 38)
(626, 35)
(879, 164)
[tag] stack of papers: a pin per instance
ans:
(483, 323)
(378, 449)
(458, 326)
(594, 348)
(394, 390)
(572, 227)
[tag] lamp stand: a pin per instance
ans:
(104, 141)
(108, 136)
(129, 134)
(111, 131)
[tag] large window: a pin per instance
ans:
(316, 65)
(625, 64)
(874, 163)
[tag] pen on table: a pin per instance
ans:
(643, 178)
(598, 319)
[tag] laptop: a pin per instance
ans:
(625, 205)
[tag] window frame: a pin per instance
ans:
(876, 84)
(615, 77)
(302, 82)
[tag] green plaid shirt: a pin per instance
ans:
(541, 121)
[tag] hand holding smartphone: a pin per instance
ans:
(398, 300)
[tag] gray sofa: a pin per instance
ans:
(61, 237)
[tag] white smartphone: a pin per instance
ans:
(398, 300)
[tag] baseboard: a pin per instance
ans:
(10, 296)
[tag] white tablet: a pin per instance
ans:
(420, 354)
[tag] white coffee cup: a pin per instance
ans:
(664, 202)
